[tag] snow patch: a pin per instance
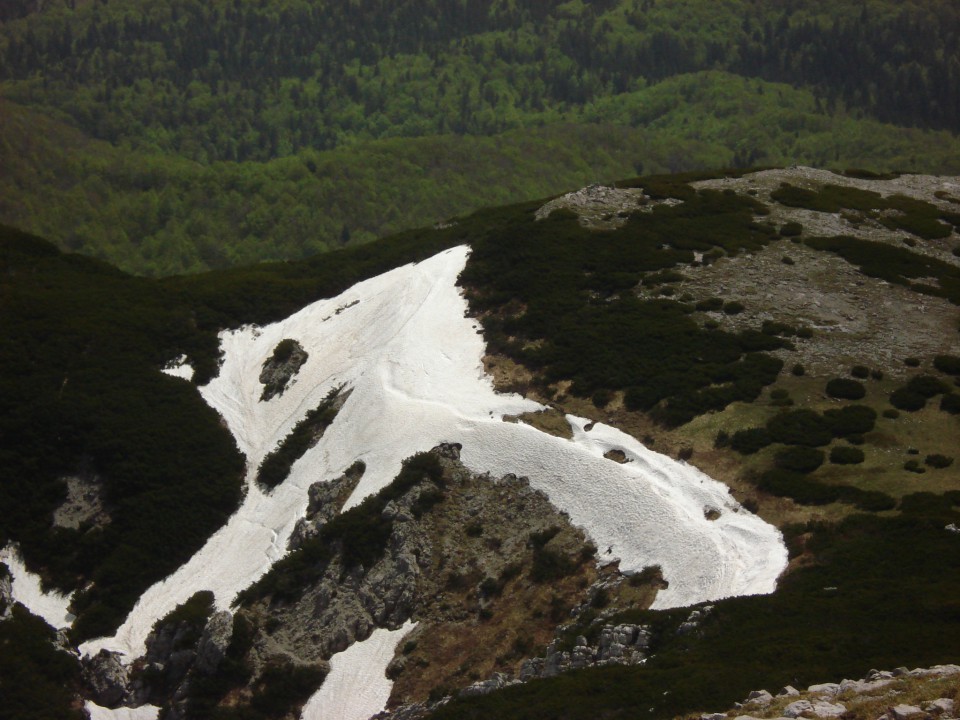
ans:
(413, 362)
(144, 712)
(179, 368)
(52, 606)
(357, 686)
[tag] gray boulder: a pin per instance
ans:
(902, 712)
(107, 678)
(214, 642)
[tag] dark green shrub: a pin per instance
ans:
(911, 362)
(950, 403)
(710, 304)
(787, 260)
(283, 350)
(550, 565)
(791, 229)
(798, 370)
(711, 324)
(876, 374)
(852, 419)
(771, 327)
(845, 455)
(275, 467)
(909, 241)
(860, 371)
(799, 459)
(938, 461)
(927, 385)
(733, 307)
(891, 413)
(869, 500)
(846, 389)
(601, 398)
(908, 400)
(751, 440)
(799, 488)
(914, 467)
(949, 364)
(800, 427)
(804, 333)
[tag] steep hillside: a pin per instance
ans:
(563, 552)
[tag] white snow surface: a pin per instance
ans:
(180, 368)
(402, 343)
(144, 712)
(51, 606)
(357, 685)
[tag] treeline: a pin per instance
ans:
(247, 80)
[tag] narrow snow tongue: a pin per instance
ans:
(144, 712)
(357, 686)
(26, 589)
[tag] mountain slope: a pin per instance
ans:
(629, 307)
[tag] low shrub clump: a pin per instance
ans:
(750, 441)
(860, 371)
(791, 229)
(927, 385)
(904, 399)
(949, 364)
(276, 465)
(799, 459)
(800, 427)
(950, 403)
(846, 389)
(846, 455)
(938, 461)
(851, 420)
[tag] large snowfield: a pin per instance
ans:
(404, 346)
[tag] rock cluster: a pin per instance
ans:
(616, 645)
(6, 592)
(325, 501)
(279, 370)
(823, 700)
(174, 658)
(598, 206)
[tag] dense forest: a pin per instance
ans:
(180, 136)
(246, 80)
